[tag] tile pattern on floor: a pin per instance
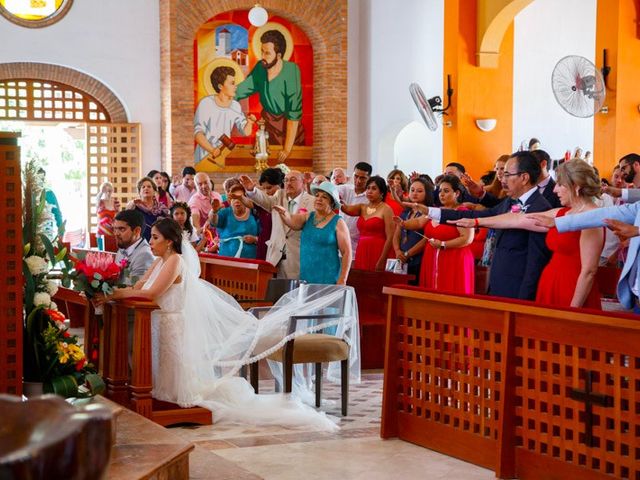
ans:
(356, 451)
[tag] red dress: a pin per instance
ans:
(558, 280)
(371, 243)
(449, 270)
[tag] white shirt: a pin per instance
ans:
(543, 184)
(296, 203)
(434, 213)
(348, 195)
(214, 121)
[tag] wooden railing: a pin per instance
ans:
(530, 392)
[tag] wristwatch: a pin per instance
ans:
(443, 245)
(406, 253)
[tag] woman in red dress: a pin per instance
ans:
(447, 262)
(397, 186)
(106, 208)
(375, 225)
(568, 280)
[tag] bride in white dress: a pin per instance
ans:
(201, 337)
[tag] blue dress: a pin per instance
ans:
(230, 228)
(408, 238)
(319, 254)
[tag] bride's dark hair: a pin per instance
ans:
(170, 229)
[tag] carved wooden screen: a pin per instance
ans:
(11, 276)
(113, 155)
(42, 100)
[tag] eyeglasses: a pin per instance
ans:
(509, 174)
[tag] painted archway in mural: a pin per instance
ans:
(253, 90)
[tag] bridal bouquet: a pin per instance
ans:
(98, 273)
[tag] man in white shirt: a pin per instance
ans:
(354, 194)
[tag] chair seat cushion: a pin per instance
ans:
(316, 348)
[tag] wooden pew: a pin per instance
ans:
(512, 386)
(241, 278)
(372, 312)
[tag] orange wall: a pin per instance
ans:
(617, 133)
(479, 93)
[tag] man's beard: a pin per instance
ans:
(629, 177)
(267, 66)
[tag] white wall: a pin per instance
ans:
(546, 31)
(391, 46)
(116, 42)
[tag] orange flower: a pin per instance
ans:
(55, 315)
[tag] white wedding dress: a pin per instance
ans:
(201, 337)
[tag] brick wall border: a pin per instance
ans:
(71, 77)
(325, 24)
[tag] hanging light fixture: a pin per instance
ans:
(258, 16)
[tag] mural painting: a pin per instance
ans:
(253, 92)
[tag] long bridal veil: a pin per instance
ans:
(220, 337)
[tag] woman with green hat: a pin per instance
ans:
(325, 244)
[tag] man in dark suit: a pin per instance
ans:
(520, 255)
(546, 184)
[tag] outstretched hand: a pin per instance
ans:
(473, 187)
(281, 210)
(623, 231)
(247, 183)
(215, 205)
(464, 222)
(613, 191)
(542, 221)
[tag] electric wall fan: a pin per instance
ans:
(428, 108)
(578, 86)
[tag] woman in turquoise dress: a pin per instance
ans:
(325, 244)
(237, 227)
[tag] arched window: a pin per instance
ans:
(34, 13)
(45, 100)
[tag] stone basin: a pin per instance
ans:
(46, 437)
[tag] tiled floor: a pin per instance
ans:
(356, 451)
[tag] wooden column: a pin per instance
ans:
(480, 91)
(11, 274)
(141, 373)
(114, 353)
(616, 132)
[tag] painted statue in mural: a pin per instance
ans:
(217, 114)
(277, 81)
(244, 73)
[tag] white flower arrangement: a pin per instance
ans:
(52, 287)
(37, 265)
(42, 298)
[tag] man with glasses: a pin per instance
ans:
(630, 168)
(284, 244)
(520, 255)
(354, 194)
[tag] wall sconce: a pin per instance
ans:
(486, 124)
(258, 16)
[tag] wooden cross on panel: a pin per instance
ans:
(590, 399)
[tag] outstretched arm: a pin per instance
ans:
(506, 220)
(353, 210)
(294, 221)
